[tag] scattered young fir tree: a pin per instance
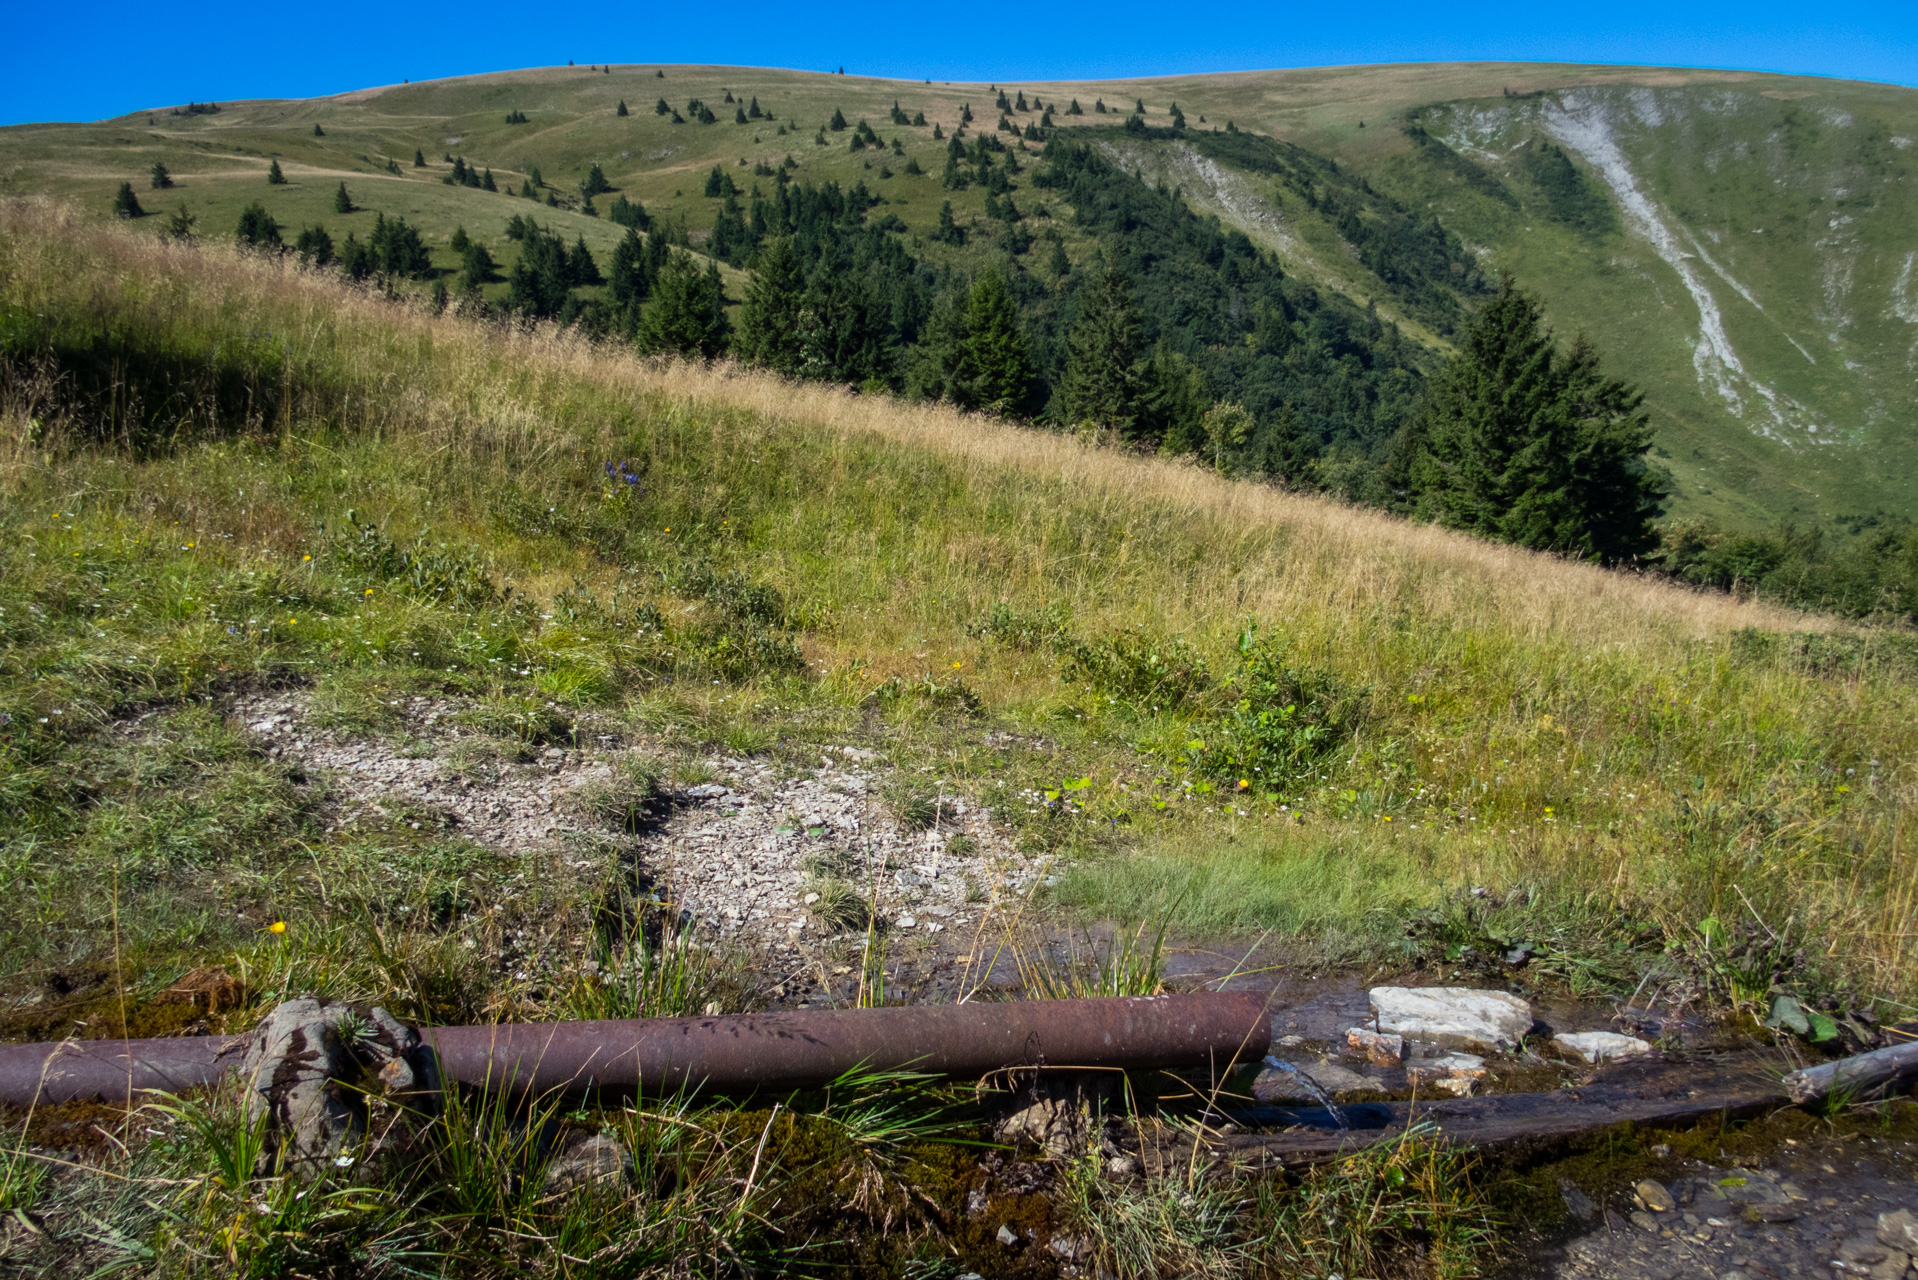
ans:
(314, 246)
(949, 231)
(459, 240)
(476, 265)
(739, 115)
(769, 321)
(631, 277)
(660, 108)
(160, 177)
(274, 178)
(318, 132)
(838, 121)
(595, 182)
(257, 229)
(622, 108)
(342, 202)
(581, 268)
(179, 226)
(1523, 443)
(126, 204)
(1101, 386)
(419, 158)
(687, 313)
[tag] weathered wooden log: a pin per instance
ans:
(1863, 1076)
(1642, 1092)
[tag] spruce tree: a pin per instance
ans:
(342, 202)
(661, 108)
(769, 318)
(126, 204)
(580, 267)
(1522, 444)
(631, 278)
(274, 178)
(622, 108)
(419, 158)
(318, 132)
(477, 264)
(459, 240)
(997, 373)
(161, 178)
(838, 121)
(595, 182)
(257, 228)
(315, 246)
(178, 226)
(949, 232)
(1101, 385)
(687, 314)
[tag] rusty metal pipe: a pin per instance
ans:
(732, 1054)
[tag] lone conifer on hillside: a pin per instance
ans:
(342, 202)
(126, 204)
(161, 178)
(687, 315)
(1525, 444)
(622, 108)
(257, 228)
(419, 158)
(274, 177)
(1101, 384)
(318, 132)
(769, 329)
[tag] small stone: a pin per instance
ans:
(1577, 1203)
(1860, 1254)
(1453, 1066)
(907, 922)
(1452, 1016)
(975, 1203)
(1386, 1050)
(1122, 1166)
(1652, 1195)
(1275, 1085)
(1899, 1231)
(598, 1161)
(1644, 1221)
(1006, 1237)
(1773, 1213)
(1601, 1046)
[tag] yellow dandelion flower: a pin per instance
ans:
(278, 926)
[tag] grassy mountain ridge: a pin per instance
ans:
(1754, 218)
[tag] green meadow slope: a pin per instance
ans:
(1738, 244)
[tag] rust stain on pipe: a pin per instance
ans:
(729, 1054)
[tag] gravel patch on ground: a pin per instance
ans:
(776, 853)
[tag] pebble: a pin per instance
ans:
(1653, 1196)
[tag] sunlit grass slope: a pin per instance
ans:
(185, 427)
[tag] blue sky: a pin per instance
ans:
(84, 61)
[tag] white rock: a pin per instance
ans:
(1452, 1015)
(907, 922)
(1602, 1046)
